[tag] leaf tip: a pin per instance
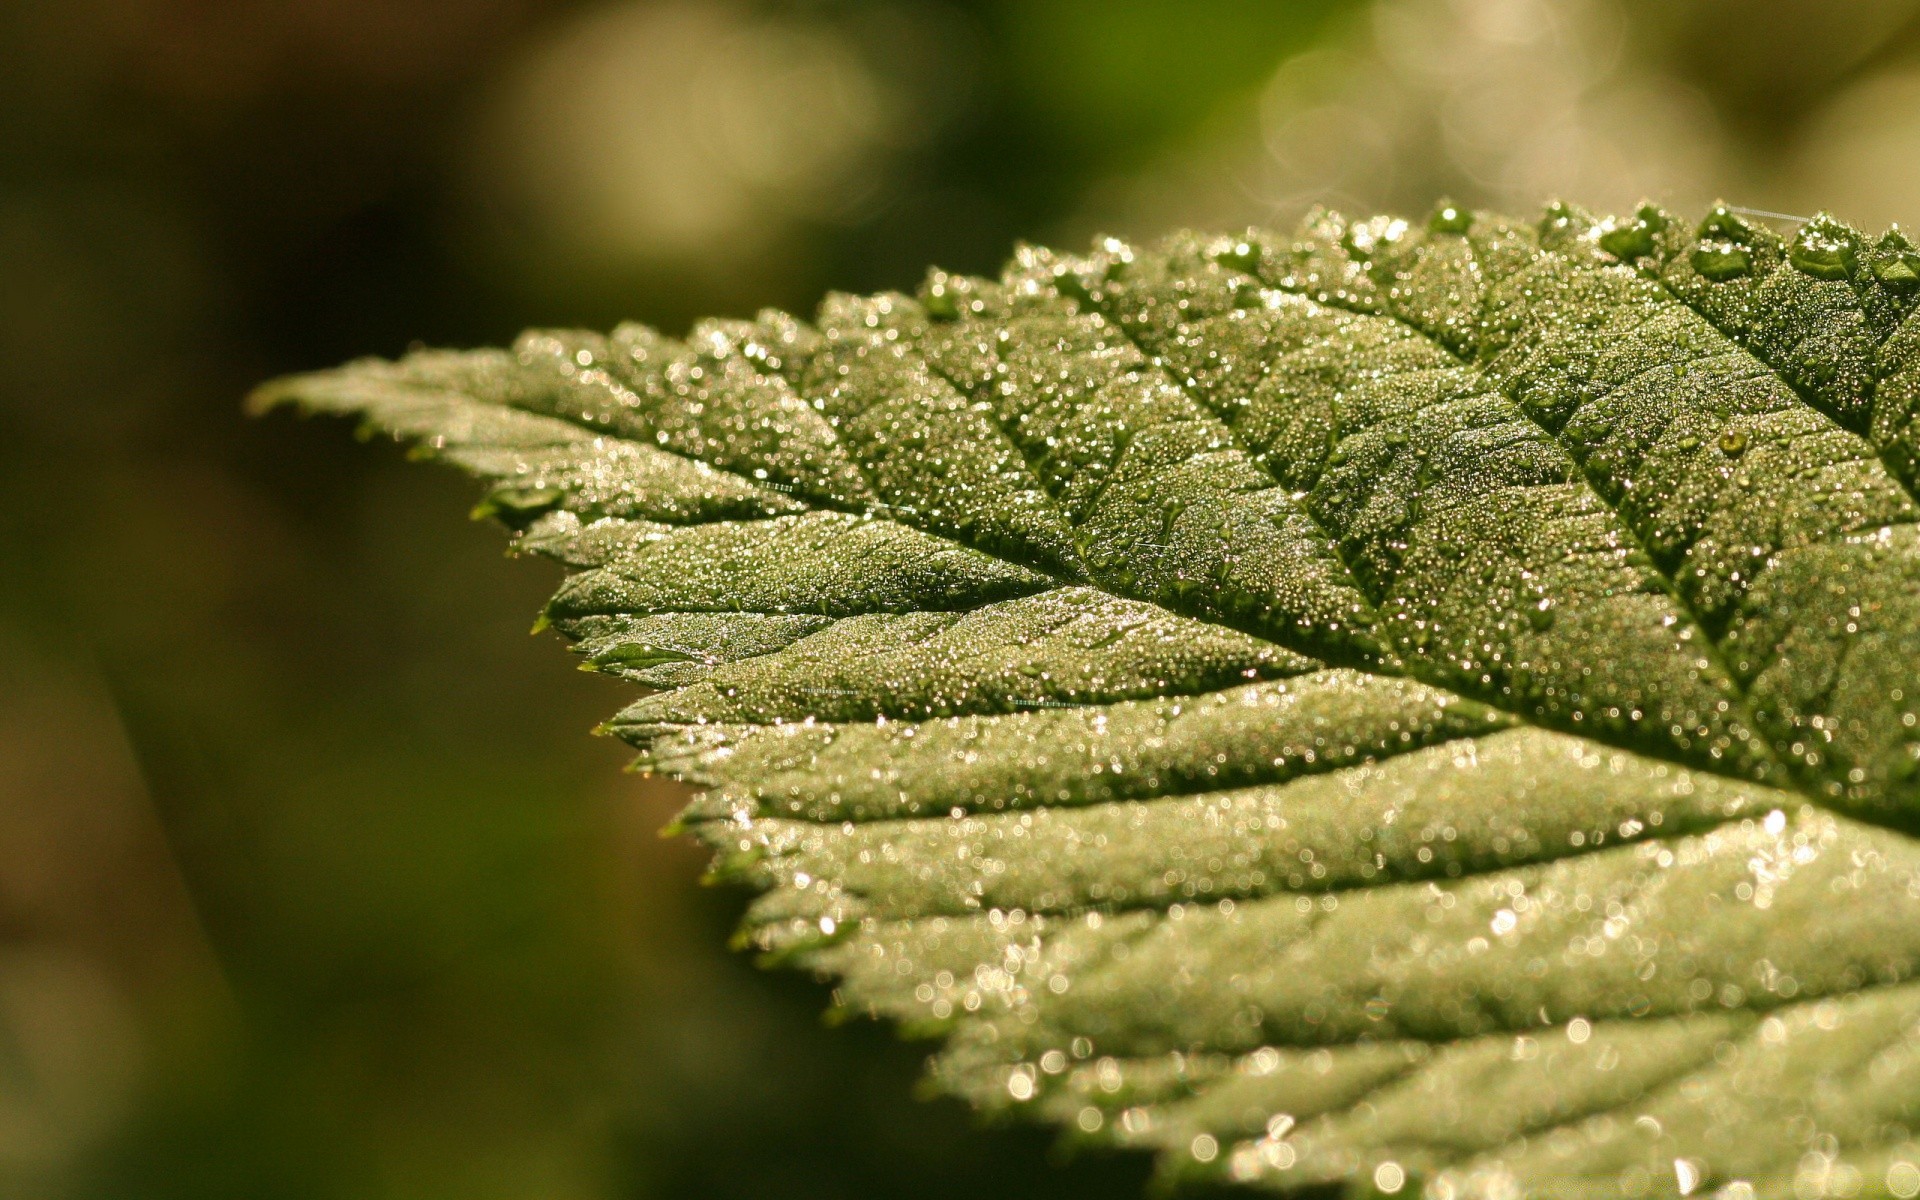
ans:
(265, 397)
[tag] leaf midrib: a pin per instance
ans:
(1372, 664)
(1330, 655)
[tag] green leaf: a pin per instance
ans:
(1430, 706)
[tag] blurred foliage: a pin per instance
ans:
(310, 885)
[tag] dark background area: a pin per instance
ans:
(311, 882)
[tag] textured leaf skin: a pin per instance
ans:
(1429, 708)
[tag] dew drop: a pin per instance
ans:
(1540, 616)
(1733, 443)
(1823, 249)
(1896, 264)
(1720, 261)
(1635, 240)
(1240, 256)
(1450, 218)
(940, 303)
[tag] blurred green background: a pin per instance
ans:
(311, 882)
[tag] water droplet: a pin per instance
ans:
(1637, 239)
(1561, 224)
(1240, 256)
(1733, 443)
(1896, 264)
(1824, 249)
(1720, 261)
(1450, 218)
(1723, 222)
(1722, 252)
(939, 299)
(1540, 616)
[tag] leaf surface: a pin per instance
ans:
(1431, 709)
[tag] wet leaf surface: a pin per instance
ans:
(1430, 707)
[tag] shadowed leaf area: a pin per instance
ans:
(1423, 708)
